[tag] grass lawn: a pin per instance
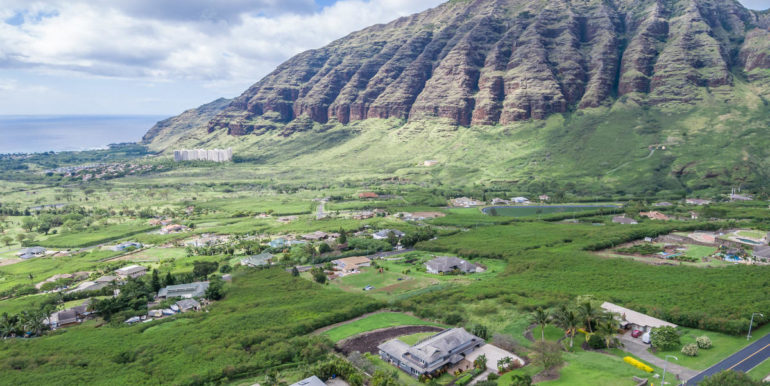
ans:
(414, 338)
(373, 322)
(401, 279)
(530, 370)
(700, 251)
(723, 346)
(590, 368)
(103, 235)
(760, 372)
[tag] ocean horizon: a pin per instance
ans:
(44, 133)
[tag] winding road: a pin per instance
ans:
(744, 360)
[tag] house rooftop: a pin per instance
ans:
(635, 317)
(450, 263)
(312, 381)
(190, 290)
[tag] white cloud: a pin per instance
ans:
(146, 39)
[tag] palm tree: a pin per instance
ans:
(569, 321)
(589, 314)
(541, 318)
(607, 330)
(7, 326)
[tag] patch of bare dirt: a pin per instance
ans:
(368, 341)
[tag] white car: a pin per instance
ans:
(646, 337)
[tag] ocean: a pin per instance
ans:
(41, 133)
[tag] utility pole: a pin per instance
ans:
(663, 379)
(748, 336)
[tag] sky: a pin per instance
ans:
(165, 56)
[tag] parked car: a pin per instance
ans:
(646, 337)
(636, 333)
(368, 288)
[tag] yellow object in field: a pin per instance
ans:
(638, 364)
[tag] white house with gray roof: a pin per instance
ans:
(447, 264)
(186, 291)
(446, 348)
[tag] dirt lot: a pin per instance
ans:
(368, 341)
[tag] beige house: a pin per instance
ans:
(350, 264)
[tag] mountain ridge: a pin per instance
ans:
(486, 62)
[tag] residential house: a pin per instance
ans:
(385, 233)
(155, 313)
(520, 200)
(312, 381)
(278, 243)
(623, 220)
(261, 259)
(465, 202)
(428, 356)
(173, 228)
(186, 291)
(663, 204)
(95, 285)
(350, 264)
(126, 245)
(697, 201)
(499, 201)
(740, 197)
(447, 264)
(363, 215)
(654, 215)
(188, 305)
(630, 319)
(131, 271)
(544, 197)
(28, 253)
(368, 195)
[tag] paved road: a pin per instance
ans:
(744, 360)
(636, 347)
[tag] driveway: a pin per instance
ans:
(493, 354)
(744, 360)
(637, 348)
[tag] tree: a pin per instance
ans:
(324, 248)
(569, 321)
(548, 355)
(28, 224)
(169, 280)
(343, 237)
(318, 275)
(215, 291)
(225, 268)
(155, 281)
(294, 271)
(480, 362)
(7, 240)
(665, 338)
(589, 314)
(480, 330)
(730, 378)
(607, 330)
(690, 350)
(202, 269)
(541, 318)
(392, 239)
(703, 342)
(520, 380)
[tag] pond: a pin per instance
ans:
(748, 241)
(534, 210)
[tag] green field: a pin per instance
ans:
(723, 346)
(540, 210)
(374, 322)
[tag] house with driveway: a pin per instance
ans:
(445, 349)
(633, 320)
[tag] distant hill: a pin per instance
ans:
(620, 95)
(171, 130)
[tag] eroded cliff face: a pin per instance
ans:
(486, 62)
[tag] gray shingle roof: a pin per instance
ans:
(191, 290)
(312, 381)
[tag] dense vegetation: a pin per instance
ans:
(260, 325)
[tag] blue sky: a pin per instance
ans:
(157, 57)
